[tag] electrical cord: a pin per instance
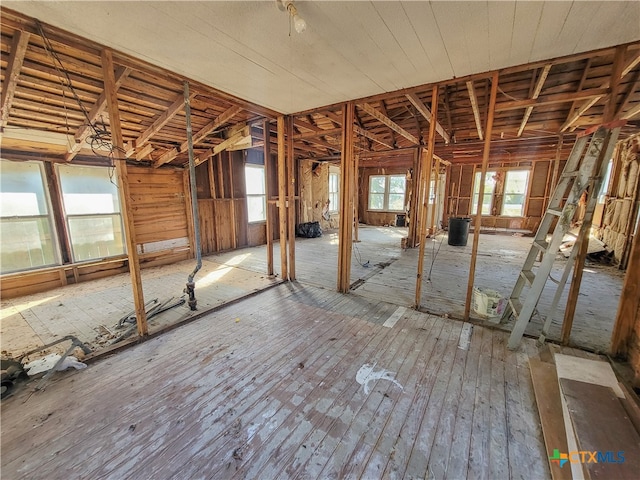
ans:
(434, 254)
(359, 257)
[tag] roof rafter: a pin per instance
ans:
(474, 105)
(14, 65)
(426, 113)
(389, 123)
(536, 93)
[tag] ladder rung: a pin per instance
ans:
(528, 275)
(557, 213)
(570, 174)
(541, 245)
(516, 306)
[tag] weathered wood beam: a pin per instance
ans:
(317, 133)
(266, 150)
(536, 93)
(224, 145)
(629, 93)
(573, 118)
(98, 108)
(371, 136)
(477, 223)
(220, 120)
(291, 201)
(616, 75)
(162, 120)
(307, 125)
(423, 196)
(282, 194)
(631, 113)
(426, 113)
(389, 123)
(144, 152)
(553, 99)
(383, 109)
(347, 175)
(12, 73)
(474, 105)
(123, 191)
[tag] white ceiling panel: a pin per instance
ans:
(349, 50)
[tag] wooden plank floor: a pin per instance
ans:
(273, 387)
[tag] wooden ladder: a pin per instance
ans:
(583, 171)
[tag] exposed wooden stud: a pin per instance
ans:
(291, 201)
(234, 227)
(12, 73)
(628, 66)
(478, 218)
(98, 108)
(282, 193)
(426, 113)
(266, 150)
(423, 197)
(221, 184)
(436, 192)
(162, 120)
(347, 174)
(536, 93)
(389, 123)
(616, 75)
(474, 105)
(123, 190)
(412, 237)
(356, 219)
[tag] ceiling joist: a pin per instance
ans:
(536, 93)
(389, 123)
(426, 113)
(14, 66)
(474, 105)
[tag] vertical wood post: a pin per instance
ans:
(291, 201)
(436, 191)
(425, 177)
(282, 201)
(356, 199)
(123, 190)
(232, 206)
(629, 304)
(347, 173)
(477, 224)
(412, 237)
(266, 148)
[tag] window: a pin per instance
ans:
(334, 189)
(489, 187)
(602, 194)
(92, 212)
(386, 192)
(256, 193)
(515, 190)
(26, 229)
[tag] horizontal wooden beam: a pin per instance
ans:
(162, 120)
(317, 133)
(389, 123)
(426, 113)
(372, 136)
(221, 147)
(629, 65)
(14, 65)
(553, 99)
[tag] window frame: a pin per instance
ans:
(334, 207)
(386, 193)
(69, 217)
(256, 195)
(48, 216)
(524, 193)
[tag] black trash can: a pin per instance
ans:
(459, 231)
(401, 220)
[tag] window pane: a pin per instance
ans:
(256, 208)
(376, 201)
(334, 202)
(96, 237)
(515, 187)
(377, 184)
(254, 179)
(397, 183)
(489, 187)
(22, 189)
(88, 190)
(333, 183)
(26, 243)
(396, 201)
